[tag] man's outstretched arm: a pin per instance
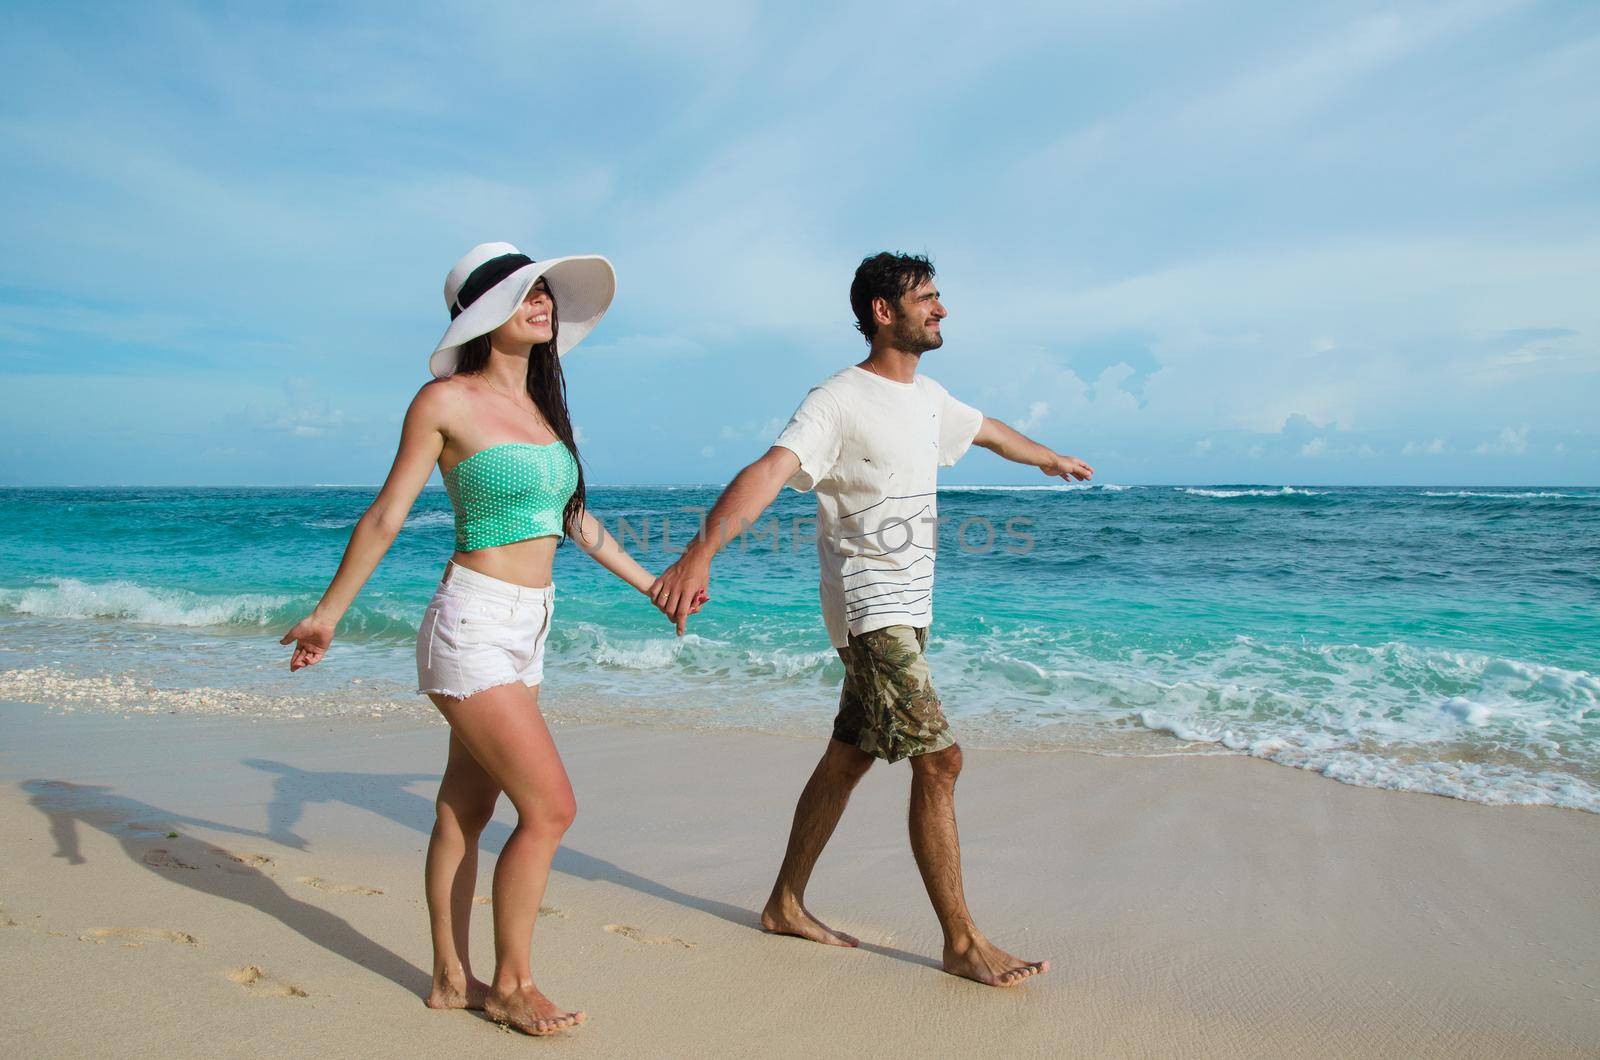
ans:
(1019, 448)
(741, 504)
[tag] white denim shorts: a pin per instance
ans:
(479, 632)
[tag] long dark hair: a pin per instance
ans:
(547, 386)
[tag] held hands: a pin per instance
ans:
(1068, 468)
(682, 590)
(312, 636)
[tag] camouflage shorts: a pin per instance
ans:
(888, 707)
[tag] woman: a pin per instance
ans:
(495, 422)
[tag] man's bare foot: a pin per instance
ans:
(525, 1009)
(467, 993)
(791, 918)
(983, 962)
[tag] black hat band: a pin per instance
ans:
(484, 277)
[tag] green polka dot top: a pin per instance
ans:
(510, 492)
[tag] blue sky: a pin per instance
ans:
(1240, 242)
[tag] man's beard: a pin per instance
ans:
(914, 339)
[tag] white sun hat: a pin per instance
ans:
(490, 281)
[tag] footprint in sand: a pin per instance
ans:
(627, 931)
(5, 920)
(133, 938)
(252, 978)
(544, 910)
(240, 862)
(162, 858)
(337, 888)
(150, 827)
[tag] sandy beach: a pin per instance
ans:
(218, 887)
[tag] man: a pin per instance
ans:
(869, 441)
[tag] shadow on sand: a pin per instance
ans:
(141, 828)
(386, 795)
(156, 841)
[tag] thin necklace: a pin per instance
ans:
(514, 401)
(880, 375)
(495, 387)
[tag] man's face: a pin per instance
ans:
(917, 314)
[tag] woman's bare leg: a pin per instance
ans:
(466, 802)
(504, 731)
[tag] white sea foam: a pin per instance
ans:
(131, 602)
(1473, 781)
(419, 520)
(415, 521)
(1453, 723)
(585, 644)
(1530, 727)
(650, 653)
(1464, 709)
(1284, 491)
(127, 694)
(785, 663)
(1501, 495)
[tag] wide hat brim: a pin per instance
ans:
(582, 285)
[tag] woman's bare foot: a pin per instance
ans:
(983, 962)
(791, 918)
(525, 1009)
(451, 992)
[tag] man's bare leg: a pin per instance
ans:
(967, 952)
(821, 805)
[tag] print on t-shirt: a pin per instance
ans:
(871, 448)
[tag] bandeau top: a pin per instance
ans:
(511, 492)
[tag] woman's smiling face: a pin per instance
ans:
(534, 321)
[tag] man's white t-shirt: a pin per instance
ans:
(871, 449)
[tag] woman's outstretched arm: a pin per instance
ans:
(421, 442)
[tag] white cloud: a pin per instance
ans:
(752, 431)
(306, 423)
(1542, 353)
(1512, 441)
(1225, 330)
(1415, 448)
(1036, 414)
(302, 411)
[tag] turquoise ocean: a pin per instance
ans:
(1430, 639)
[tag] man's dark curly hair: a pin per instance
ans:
(887, 276)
